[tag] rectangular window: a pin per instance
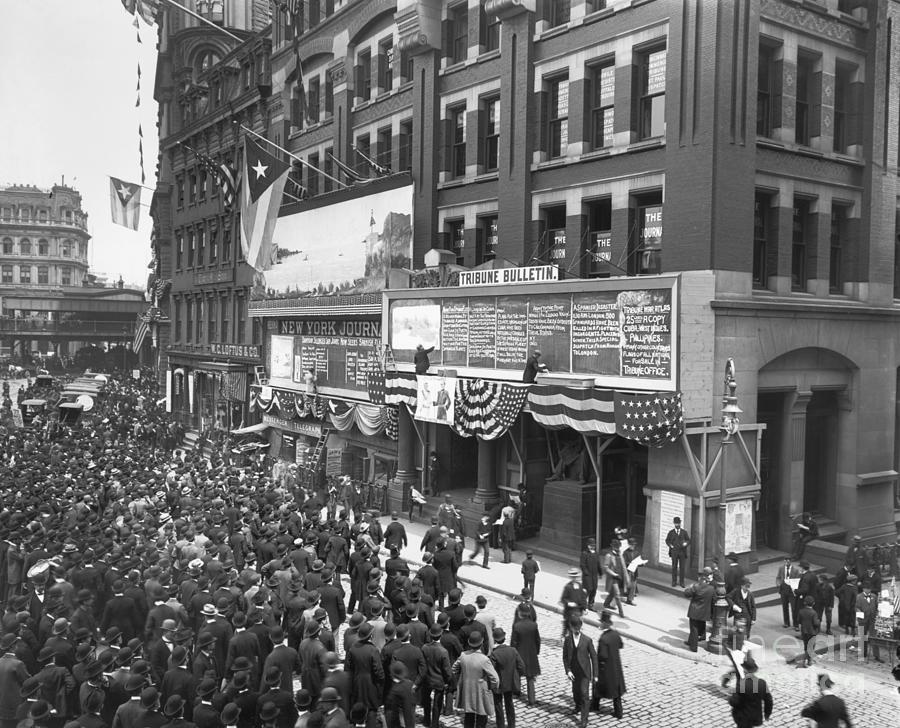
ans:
(67, 248)
(24, 247)
(843, 78)
(43, 247)
(365, 146)
(189, 320)
(226, 244)
(557, 12)
(364, 79)
(179, 185)
(599, 238)
(329, 95)
(489, 31)
(192, 188)
(179, 250)
(489, 238)
(652, 111)
(198, 337)
(191, 247)
(405, 151)
(458, 19)
(201, 245)
(765, 91)
(762, 220)
(458, 147)
(176, 319)
(24, 274)
(385, 149)
(553, 244)
(406, 66)
(65, 276)
(594, 6)
(225, 306)
(43, 275)
(490, 131)
(211, 321)
(805, 99)
(213, 244)
(201, 188)
(799, 239)
(386, 65)
(241, 307)
(6, 274)
(312, 104)
(646, 222)
(836, 257)
(558, 120)
(603, 96)
(312, 182)
(456, 231)
(328, 168)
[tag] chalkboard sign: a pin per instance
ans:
(335, 361)
(455, 331)
(483, 332)
(595, 333)
(511, 332)
(550, 330)
(610, 331)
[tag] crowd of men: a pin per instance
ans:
(142, 589)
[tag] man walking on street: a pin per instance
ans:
(829, 711)
(482, 537)
(573, 600)
(678, 541)
(590, 571)
(751, 703)
(701, 595)
(616, 576)
(786, 593)
(510, 669)
(580, 664)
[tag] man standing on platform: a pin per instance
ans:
(678, 541)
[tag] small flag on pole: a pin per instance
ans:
(124, 202)
(264, 178)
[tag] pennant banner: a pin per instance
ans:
(487, 409)
(124, 202)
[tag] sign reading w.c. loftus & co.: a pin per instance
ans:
(330, 327)
(240, 351)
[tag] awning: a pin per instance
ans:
(258, 427)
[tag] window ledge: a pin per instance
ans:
(487, 176)
(456, 66)
(450, 183)
(805, 151)
(552, 163)
(598, 15)
(488, 56)
(644, 144)
(552, 32)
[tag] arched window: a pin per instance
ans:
(7, 246)
(24, 246)
(43, 247)
(67, 249)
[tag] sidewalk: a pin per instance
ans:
(656, 619)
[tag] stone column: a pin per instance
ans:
(407, 477)
(487, 491)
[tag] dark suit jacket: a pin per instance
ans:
(748, 605)
(244, 644)
(509, 667)
(332, 601)
(701, 595)
(287, 660)
(677, 542)
(121, 612)
(178, 682)
(411, 656)
(751, 701)
(590, 569)
(580, 659)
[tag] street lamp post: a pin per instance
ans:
(729, 427)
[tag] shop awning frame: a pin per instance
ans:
(249, 429)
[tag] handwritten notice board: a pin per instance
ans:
(627, 333)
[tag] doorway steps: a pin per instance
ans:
(831, 546)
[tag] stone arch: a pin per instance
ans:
(373, 12)
(806, 368)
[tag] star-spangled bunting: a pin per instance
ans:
(654, 419)
(487, 409)
(375, 383)
(222, 173)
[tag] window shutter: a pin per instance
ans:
(636, 97)
(482, 133)
(446, 140)
(540, 142)
(357, 83)
(855, 117)
(815, 92)
(777, 104)
(447, 38)
(587, 133)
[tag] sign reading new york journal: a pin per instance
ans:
(624, 332)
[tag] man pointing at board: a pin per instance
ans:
(533, 367)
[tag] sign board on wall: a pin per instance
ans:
(622, 332)
(738, 525)
(671, 504)
(507, 276)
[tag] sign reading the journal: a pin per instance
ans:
(509, 276)
(624, 332)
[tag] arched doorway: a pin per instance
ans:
(804, 397)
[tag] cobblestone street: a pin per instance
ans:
(667, 690)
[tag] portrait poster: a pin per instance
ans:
(281, 357)
(435, 399)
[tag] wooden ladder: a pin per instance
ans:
(388, 359)
(312, 465)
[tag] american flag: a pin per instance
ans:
(227, 179)
(654, 419)
(487, 409)
(400, 388)
(140, 333)
(376, 385)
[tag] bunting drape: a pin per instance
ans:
(487, 409)
(369, 419)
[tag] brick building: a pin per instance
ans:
(748, 149)
(208, 84)
(51, 302)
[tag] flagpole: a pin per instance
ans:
(188, 11)
(292, 156)
(152, 189)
